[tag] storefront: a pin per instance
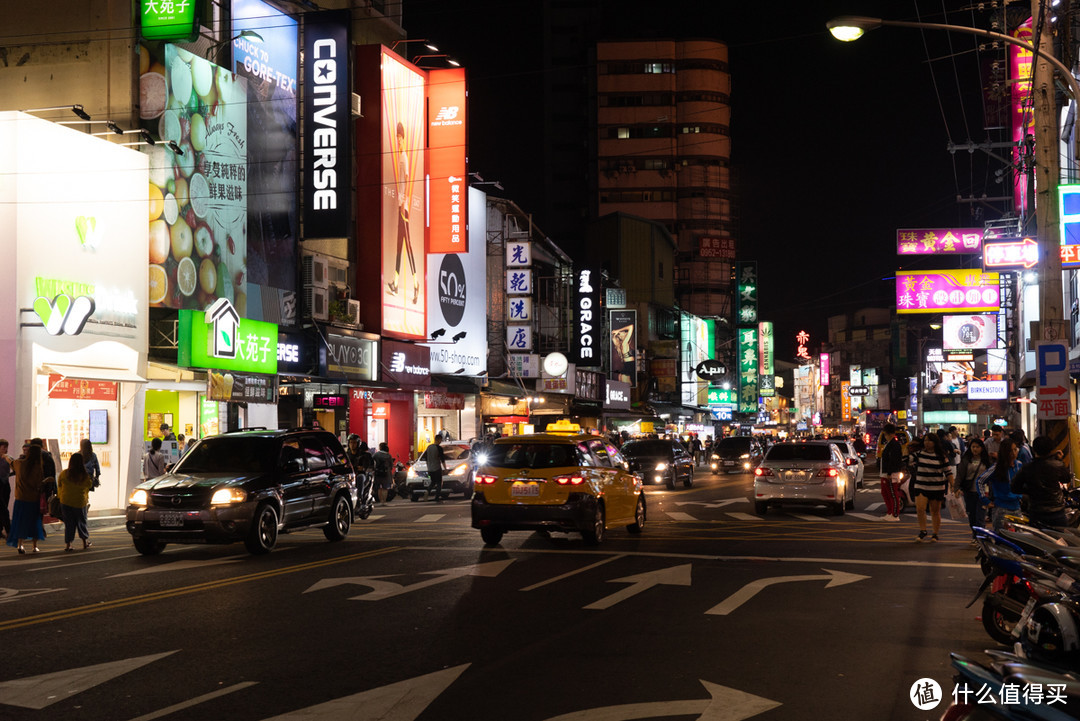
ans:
(74, 276)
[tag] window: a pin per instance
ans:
(599, 452)
(314, 454)
(623, 133)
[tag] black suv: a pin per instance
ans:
(246, 486)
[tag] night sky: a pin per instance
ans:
(835, 145)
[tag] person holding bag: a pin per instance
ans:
(26, 512)
(974, 462)
(74, 489)
(892, 466)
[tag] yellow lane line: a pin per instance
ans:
(184, 590)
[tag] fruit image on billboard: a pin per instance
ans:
(404, 260)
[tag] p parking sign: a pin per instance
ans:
(1053, 380)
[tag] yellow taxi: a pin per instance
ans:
(562, 480)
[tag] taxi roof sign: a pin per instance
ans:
(563, 426)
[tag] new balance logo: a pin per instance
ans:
(447, 112)
(397, 363)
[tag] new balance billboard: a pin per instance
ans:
(446, 171)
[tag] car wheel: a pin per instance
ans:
(689, 482)
(340, 520)
(671, 480)
(491, 535)
(414, 497)
(850, 505)
(263, 535)
(838, 508)
(639, 516)
(148, 546)
(594, 535)
(761, 508)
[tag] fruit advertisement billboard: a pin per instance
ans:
(198, 196)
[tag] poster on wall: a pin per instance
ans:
(198, 197)
(404, 259)
(623, 350)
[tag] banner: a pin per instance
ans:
(947, 291)
(765, 359)
(446, 171)
(587, 314)
(623, 350)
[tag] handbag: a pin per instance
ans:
(956, 507)
(54, 506)
(43, 503)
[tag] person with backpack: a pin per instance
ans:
(383, 465)
(154, 461)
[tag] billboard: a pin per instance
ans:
(198, 198)
(970, 331)
(947, 291)
(623, 350)
(825, 368)
(988, 390)
(446, 171)
(585, 350)
(327, 98)
(765, 359)
(944, 377)
(1023, 119)
(404, 259)
(938, 241)
(748, 370)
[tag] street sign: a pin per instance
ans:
(1053, 380)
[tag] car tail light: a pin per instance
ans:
(485, 479)
(570, 480)
(827, 473)
(851, 461)
(759, 472)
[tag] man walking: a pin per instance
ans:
(435, 458)
(892, 466)
(5, 488)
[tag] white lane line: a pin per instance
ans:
(194, 702)
(430, 518)
(807, 517)
(679, 516)
(572, 573)
(875, 506)
(376, 516)
(865, 516)
(743, 516)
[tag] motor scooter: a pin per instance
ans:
(365, 501)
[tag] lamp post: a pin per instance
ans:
(1051, 305)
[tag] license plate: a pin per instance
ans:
(523, 490)
(171, 519)
(1028, 610)
(729, 463)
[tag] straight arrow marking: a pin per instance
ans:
(723, 704)
(744, 594)
(673, 576)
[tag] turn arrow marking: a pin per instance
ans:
(674, 576)
(744, 594)
(387, 589)
(723, 704)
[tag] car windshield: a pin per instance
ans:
(456, 453)
(225, 455)
(532, 455)
(634, 449)
(742, 444)
(799, 452)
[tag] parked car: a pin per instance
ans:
(457, 478)
(556, 482)
(660, 461)
(736, 454)
(806, 473)
(852, 458)
(247, 486)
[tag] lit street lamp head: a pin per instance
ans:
(847, 28)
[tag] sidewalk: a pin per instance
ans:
(105, 518)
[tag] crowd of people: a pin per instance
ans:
(990, 475)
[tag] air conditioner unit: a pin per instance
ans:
(356, 112)
(314, 272)
(353, 310)
(337, 272)
(317, 302)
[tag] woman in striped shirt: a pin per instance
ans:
(933, 474)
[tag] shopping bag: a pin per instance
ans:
(956, 507)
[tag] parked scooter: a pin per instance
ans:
(365, 501)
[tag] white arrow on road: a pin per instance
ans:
(711, 504)
(744, 594)
(723, 704)
(387, 589)
(674, 576)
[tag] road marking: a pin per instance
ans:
(401, 701)
(807, 517)
(376, 517)
(181, 565)
(572, 573)
(38, 692)
(430, 518)
(674, 576)
(9, 595)
(711, 504)
(184, 590)
(387, 589)
(744, 594)
(723, 704)
(875, 506)
(865, 516)
(679, 516)
(195, 701)
(738, 516)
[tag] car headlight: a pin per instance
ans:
(661, 466)
(715, 457)
(412, 472)
(745, 455)
(139, 497)
(461, 470)
(481, 459)
(225, 496)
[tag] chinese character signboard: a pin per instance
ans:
(938, 241)
(226, 342)
(720, 248)
(623, 351)
(845, 400)
(1069, 207)
(947, 291)
(446, 161)
(518, 282)
(722, 397)
(518, 337)
(825, 367)
(765, 359)
(518, 254)
(1023, 120)
(167, 19)
(746, 278)
(1010, 254)
(748, 370)
(1054, 383)
(524, 365)
(518, 309)
(802, 340)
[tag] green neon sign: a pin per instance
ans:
(249, 345)
(721, 397)
(167, 19)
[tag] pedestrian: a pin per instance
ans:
(975, 462)
(954, 435)
(26, 514)
(696, 445)
(6, 462)
(997, 485)
(154, 461)
(892, 467)
(48, 468)
(383, 469)
(166, 433)
(435, 458)
(90, 462)
(1042, 481)
(360, 458)
(933, 475)
(997, 434)
(74, 487)
(1023, 450)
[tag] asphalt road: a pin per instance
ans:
(712, 613)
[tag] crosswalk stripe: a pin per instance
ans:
(743, 516)
(431, 518)
(875, 506)
(806, 517)
(679, 516)
(865, 516)
(376, 517)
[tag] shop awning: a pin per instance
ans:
(88, 373)
(455, 384)
(506, 388)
